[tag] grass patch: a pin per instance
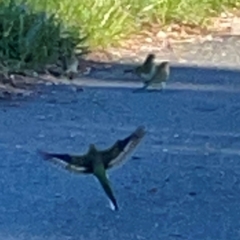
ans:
(35, 33)
(30, 39)
(108, 21)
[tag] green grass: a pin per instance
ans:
(30, 40)
(108, 21)
(35, 33)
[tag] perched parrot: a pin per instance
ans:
(146, 70)
(159, 78)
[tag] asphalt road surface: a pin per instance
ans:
(182, 183)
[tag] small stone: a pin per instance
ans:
(209, 37)
(12, 77)
(169, 29)
(181, 60)
(224, 15)
(35, 74)
(148, 40)
(161, 34)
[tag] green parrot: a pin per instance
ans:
(96, 161)
(146, 70)
(159, 78)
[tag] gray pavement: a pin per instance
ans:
(183, 181)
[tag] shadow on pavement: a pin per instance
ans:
(184, 184)
(181, 77)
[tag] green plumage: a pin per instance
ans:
(96, 161)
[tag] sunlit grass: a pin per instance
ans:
(37, 37)
(108, 21)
